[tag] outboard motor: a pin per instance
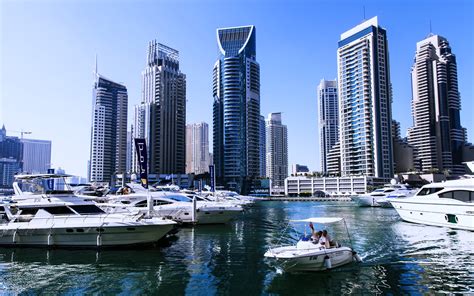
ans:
(356, 256)
(327, 262)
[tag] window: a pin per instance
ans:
(29, 211)
(427, 191)
(87, 209)
(461, 195)
(59, 210)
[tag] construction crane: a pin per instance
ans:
(22, 132)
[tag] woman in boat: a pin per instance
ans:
(315, 235)
(324, 239)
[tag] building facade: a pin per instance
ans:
(236, 108)
(277, 150)
(263, 154)
(109, 129)
(160, 118)
(36, 156)
(436, 135)
(197, 148)
(364, 91)
(328, 119)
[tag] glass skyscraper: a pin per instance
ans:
(161, 117)
(236, 92)
(109, 130)
(365, 112)
(437, 134)
(277, 150)
(328, 119)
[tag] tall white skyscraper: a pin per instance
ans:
(36, 156)
(365, 111)
(161, 117)
(328, 119)
(263, 154)
(197, 148)
(437, 134)
(277, 150)
(108, 154)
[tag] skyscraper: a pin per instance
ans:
(263, 154)
(277, 150)
(436, 135)
(36, 156)
(365, 112)
(161, 116)
(328, 119)
(109, 129)
(236, 91)
(197, 148)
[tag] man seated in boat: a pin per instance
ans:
(331, 243)
(315, 235)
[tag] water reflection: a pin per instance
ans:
(399, 258)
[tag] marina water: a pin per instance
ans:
(399, 258)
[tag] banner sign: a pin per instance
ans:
(213, 178)
(142, 156)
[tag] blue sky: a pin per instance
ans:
(48, 48)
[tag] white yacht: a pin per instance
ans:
(449, 204)
(44, 213)
(381, 197)
(309, 256)
(173, 205)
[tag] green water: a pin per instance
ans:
(399, 258)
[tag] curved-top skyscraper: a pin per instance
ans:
(236, 91)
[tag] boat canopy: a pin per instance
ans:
(41, 176)
(323, 220)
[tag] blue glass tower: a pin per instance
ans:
(236, 91)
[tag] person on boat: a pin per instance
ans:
(324, 239)
(315, 235)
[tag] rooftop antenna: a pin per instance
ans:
(431, 30)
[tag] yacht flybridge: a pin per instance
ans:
(44, 212)
(449, 204)
(307, 255)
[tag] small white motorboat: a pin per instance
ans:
(309, 256)
(381, 197)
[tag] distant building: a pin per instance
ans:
(108, 154)
(9, 167)
(276, 149)
(403, 153)
(328, 111)
(437, 135)
(333, 158)
(10, 147)
(36, 156)
(303, 185)
(197, 148)
(299, 168)
(263, 153)
(236, 109)
(130, 143)
(365, 99)
(161, 116)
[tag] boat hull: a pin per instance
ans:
(368, 201)
(311, 260)
(457, 216)
(84, 236)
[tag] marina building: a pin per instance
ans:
(108, 150)
(277, 150)
(197, 148)
(236, 108)
(297, 169)
(160, 118)
(328, 111)
(310, 186)
(437, 135)
(364, 92)
(36, 156)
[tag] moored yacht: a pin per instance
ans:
(449, 204)
(381, 197)
(173, 205)
(45, 213)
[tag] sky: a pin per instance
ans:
(48, 49)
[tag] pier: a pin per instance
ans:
(327, 198)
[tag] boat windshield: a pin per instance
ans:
(87, 209)
(429, 190)
(178, 198)
(44, 186)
